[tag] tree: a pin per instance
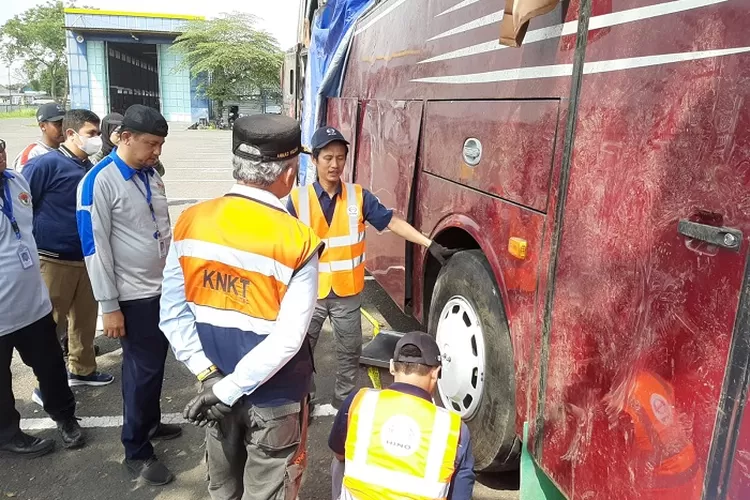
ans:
(238, 58)
(37, 37)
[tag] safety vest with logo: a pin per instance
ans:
(399, 446)
(342, 265)
(661, 439)
(238, 256)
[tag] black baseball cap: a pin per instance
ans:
(275, 137)
(50, 112)
(145, 120)
(430, 353)
(326, 135)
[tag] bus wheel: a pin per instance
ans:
(468, 320)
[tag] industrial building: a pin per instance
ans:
(121, 58)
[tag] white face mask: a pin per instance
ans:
(90, 145)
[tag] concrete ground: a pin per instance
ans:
(198, 167)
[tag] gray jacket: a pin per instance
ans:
(118, 233)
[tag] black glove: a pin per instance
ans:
(206, 408)
(441, 253)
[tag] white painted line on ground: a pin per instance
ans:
(369, 278)
(38, 424)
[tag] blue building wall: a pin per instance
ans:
(88, 63)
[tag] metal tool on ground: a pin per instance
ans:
(377, 353)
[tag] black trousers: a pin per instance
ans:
(39, 349)
(144, 351)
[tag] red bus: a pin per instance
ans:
(597, 179)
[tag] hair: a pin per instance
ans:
(316, 151)
(258, 173)
(134, 133)
(411, 368)
(75, 119)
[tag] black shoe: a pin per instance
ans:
(23, 445)
(165, 432)
(151, 470)
(71, 432)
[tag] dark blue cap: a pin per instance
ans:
(326, 135)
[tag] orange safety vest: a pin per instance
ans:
(238, 256)
(661, 440)
(399, 446)
(342, 265)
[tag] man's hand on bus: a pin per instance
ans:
(441, 253)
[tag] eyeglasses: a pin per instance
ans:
(2, 146)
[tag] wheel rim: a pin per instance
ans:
(461, 341)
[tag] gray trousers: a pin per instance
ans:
(346, 319)
(257, 453)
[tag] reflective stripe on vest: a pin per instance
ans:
(341, 266)
(399, 446)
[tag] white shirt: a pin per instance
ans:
(268, 357)
(33, 150)
(23, 295)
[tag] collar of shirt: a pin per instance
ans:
(257, 194)
(126, 170)
(319, 191)
(7, 175)
(412, 390)
(66, 152)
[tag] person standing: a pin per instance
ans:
(53, 179)
(239, 290)
(26, 325)
(124, 227)
(400, 433)
(49, 117)
(337, 212)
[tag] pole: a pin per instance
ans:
(10, 92)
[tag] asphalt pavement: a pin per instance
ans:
(198, 167)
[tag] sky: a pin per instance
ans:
(278, 17)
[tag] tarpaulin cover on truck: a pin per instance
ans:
(332, 30)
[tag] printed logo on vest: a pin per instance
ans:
(661, 408)
(25, 199)
(400, 436)
(353, 210)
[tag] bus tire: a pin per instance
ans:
(468, 319)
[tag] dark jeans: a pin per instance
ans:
(39, 349)
(144, 351)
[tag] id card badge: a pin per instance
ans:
(163, 243)
(24, 255)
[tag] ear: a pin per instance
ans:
(391, 368)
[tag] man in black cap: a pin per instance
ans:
(49, 117)
(399, 432)
(338, 211)
(239, 290)
(125, 231)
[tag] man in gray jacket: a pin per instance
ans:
(123, 223)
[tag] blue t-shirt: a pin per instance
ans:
(462, 483)
(373, 211)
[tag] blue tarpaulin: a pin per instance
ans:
(331, 34)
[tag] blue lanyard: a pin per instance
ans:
(7, 208)
(143, 176)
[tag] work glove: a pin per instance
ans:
(441, 253)
(206, 408)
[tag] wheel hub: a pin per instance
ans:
(461, 341)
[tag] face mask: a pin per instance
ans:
(90, 145)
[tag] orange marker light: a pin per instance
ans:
(517, 247)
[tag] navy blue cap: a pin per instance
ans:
(145, 120)
(50, 112)
(428, 349)
(326, 135)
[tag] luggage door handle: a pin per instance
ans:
(723, 237)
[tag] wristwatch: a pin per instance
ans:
(207, 372)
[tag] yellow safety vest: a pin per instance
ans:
(399, 446)
(342, 265)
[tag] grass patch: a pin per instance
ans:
(19, 113)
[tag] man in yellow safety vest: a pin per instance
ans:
(337, 212)
(396, 443)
